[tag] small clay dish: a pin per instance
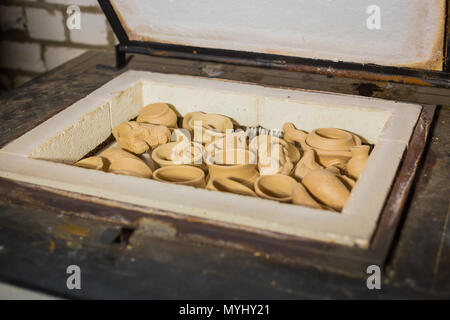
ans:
(130, 167)
(277, 187)
(175, 153)
(230, 185)
(184, 175)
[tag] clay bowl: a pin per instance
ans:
(277, 187)
(130, 167)
(158, 113)
(230, 185)
(183, 175)
(239, 164)
(177, 153)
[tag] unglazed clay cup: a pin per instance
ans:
(277, 187)
(158, 113)
(230, 185)
(213, 126)
(130, 167)
(177, 153)
(183, 175)
(239, 164)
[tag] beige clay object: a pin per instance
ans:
(302, 197)
(331, 145)
(158, 113)
(130, 167)
(183, 175)
(139, 137)
(275, 187)
(239, 164)
(327, 188)
(275, 155)
(212, 126)
(306, 164)
(176, 153)
(355, 166)
(230, 185)
(96, 163)
(349, 182)
(113, 154)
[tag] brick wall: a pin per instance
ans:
(35, 38)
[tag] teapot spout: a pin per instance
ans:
(292, 134)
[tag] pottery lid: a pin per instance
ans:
(391, 33)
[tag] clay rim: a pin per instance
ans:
(272, 190)
(232, 186)
(162, 160)
(251, 159)
(330, 139)
(181, 174)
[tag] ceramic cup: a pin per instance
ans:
(239, 164)
(277, 187)
(184, 175)
(212, 126)
(158, 113)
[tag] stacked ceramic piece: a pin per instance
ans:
(316, 169)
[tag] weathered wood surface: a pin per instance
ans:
(37, 241)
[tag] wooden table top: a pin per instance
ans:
(37, 242)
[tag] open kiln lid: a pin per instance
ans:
(411, 33)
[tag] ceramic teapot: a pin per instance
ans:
(331, 145)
